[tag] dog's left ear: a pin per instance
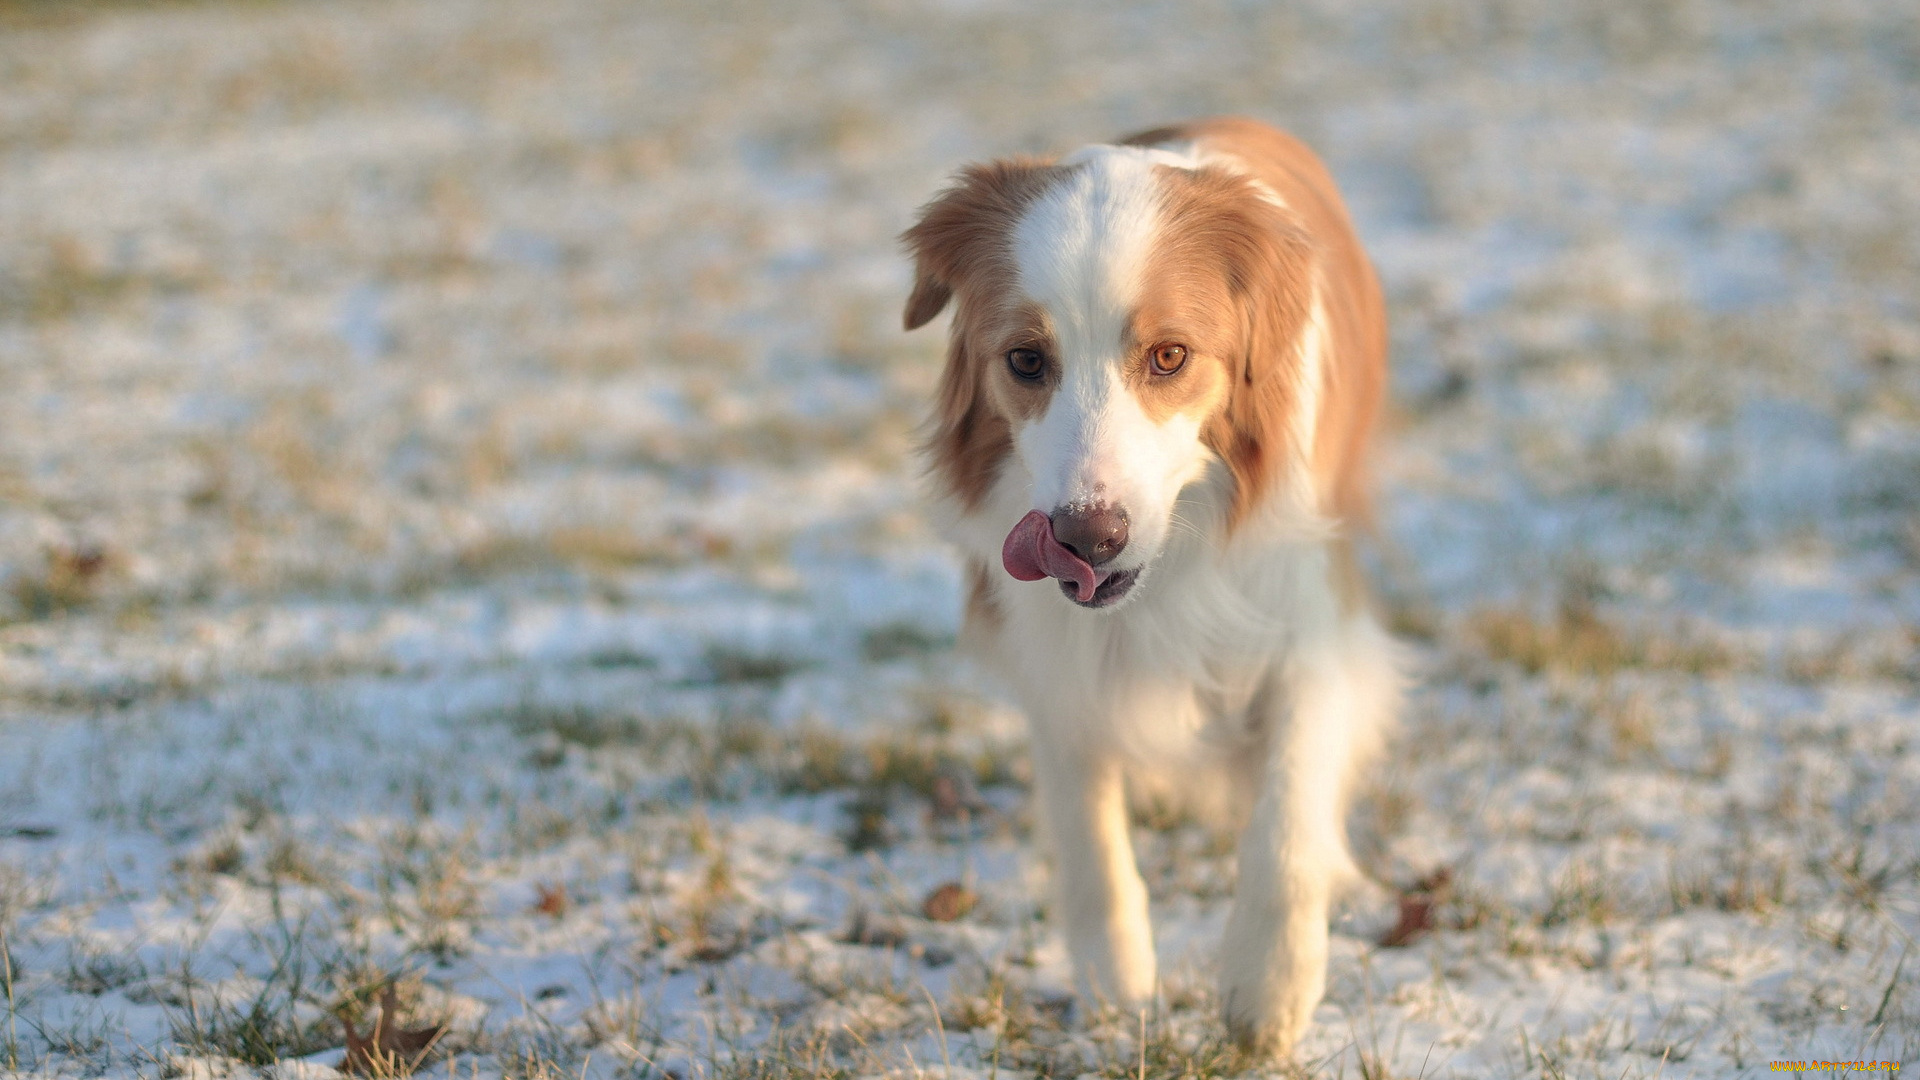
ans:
(1268, 260)
(966, 228)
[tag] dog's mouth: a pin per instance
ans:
(1031, 553)
(1109, 591)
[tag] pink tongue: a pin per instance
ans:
(1031, 553)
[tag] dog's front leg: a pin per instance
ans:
(1101, 900)
(1329, 709)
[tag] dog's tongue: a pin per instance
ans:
(1031, 553)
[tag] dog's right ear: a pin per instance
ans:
(967, 230)
(929, 295)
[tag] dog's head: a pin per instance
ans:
(1127, 318)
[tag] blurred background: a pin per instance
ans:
(458, 359)
(373, 301)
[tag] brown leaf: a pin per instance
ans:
(948, 801)
(949, 902)
(77, 565)
(390, 1050)
(1417, 906)
(552, 900)
(1416, 918)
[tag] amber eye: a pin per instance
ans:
(1168, 359)
(1027, 363)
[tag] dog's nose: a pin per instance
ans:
(1095, 533)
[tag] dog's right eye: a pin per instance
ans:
(1027, 363)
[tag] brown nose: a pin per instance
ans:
(1095, 533)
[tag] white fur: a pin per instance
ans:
(1231, 667)
(1079, 252)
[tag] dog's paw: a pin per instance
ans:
(1269, 988)
(1269, 1029)
(1257, 1040)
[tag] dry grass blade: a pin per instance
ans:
(878, 932)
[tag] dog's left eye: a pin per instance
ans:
(1168, 359)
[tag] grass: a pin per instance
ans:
(1577, 639)
(742, 756)
(901, 639)
(72, 281)
(424, 884)
(97, 972)
(697, 879)
(69, 578)
(708, 918)
(1750, 884)
(268, 1025)
(1581, 893)
(9, 974)
(727, 665)
(1163, 1048)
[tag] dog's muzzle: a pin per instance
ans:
(1071, 545)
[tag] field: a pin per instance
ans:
(463, 594)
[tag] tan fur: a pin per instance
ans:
(1238, 273)
(993, 330)
(1313, 226)
(962, 248)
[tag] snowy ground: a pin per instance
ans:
(457, 530)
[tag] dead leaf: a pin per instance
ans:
(1417, 909)
(80, 563)
(946, 798)
(949, 902)
(552, 900)
(390, 1050)
(1416, 918)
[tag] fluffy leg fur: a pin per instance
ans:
(1102, 901)
(1335, 696)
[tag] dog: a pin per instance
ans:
(1149, 445)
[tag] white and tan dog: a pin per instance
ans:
(1166, 359)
